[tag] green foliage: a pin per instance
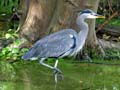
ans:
(12, 52)
(93, 53)
(113, 22)
(11, 34)
(112, 54)
(7, 5)
(7, 71)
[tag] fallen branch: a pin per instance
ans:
(109, 44)
(114, 31)
(107, 20)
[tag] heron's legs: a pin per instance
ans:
(44, 64)
(57, 71)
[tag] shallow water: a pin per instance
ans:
(80, 76)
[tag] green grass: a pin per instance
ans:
(113, 22)
(6, 7)
(77, 76)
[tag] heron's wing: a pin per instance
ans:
(57, 47)
(53, 45)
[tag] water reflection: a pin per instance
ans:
(10, 80)
(7, 75)
(32, 76)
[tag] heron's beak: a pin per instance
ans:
(100, 16)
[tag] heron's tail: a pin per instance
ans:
(28, 55)
(25, 57)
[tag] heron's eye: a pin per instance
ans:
(91, 14)
(96, 15)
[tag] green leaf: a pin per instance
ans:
(15, 50)
(7, 36)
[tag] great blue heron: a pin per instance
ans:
(66, 42)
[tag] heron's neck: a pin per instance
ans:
(83, 29)
(82, 35)
(83, 26)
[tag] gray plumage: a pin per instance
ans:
(54, 45)
(66, 42)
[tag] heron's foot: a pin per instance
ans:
(60, 74)
(56, 70)
(56, 73)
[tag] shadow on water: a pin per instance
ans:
(13, 79)
(23, 77)
(82, 76)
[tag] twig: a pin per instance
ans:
(106, 21)
(110, 5)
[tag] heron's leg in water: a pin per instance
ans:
(46, 65)
(56, 73)
(56, 63)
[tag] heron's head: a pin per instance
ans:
(90, 14)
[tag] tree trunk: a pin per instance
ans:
(45, 17)
(92, 41)
(48, 16)
(40, 16)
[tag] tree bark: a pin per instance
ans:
(37, 19)
(45, 17)
(92, 41)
